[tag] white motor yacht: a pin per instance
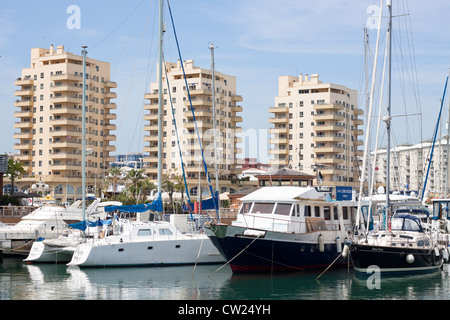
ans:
(46, 222)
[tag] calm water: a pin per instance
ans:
(21, 281)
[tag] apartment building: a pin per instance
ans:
(409, 164)
(49, 122)
(316, 129)
(199, 83)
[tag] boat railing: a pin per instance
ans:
(13, 211)
(278, 224)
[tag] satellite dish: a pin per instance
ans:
(380, 190)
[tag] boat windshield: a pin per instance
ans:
(406, 223)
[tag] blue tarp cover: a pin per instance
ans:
(154, 206)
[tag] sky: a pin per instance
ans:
(256, 40)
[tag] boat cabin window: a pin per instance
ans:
(326, 213)
(307, 211)
(335, 213)
(245, 208)
(345, 213)
(144, 232)
(262, 207)
(283, 209)
(316, 211)
(297, 210)
(165, 232)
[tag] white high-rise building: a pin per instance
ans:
(316, 129)
(49, 126)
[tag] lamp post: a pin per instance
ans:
(40, 187)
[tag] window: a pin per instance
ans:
(165, 232)
(326, 213)
(316, 211)
(263, 208)
(144, 232)
(283, 209)
(245, 208)
(307, 211)
(345, 213)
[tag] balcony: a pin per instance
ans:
(279, 120)
(327, 138)
(24, 82)
(24, 93)
(65, 156)
(110, 95)
(279, 151)
(198, 103)
(111, 84)
(23, 136)
(327, 149)
(333, 106)
(65, 133)
(23, 146)
(66, 77)
(328, 127)
(328, 160)
(279, 131)
(237, 109)
(236, 119)
(66, 88)
(279, 110)
(23, 103)
(111, 116)
(23, 125)
(66, 110)
(111, 106)
(66, 99)
(65, 122)
(236, 98)
(23, 114)
(328, 116)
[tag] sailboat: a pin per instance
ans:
(398, 243)
(150, 243)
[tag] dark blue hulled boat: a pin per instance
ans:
(402, 248)
(284, 229)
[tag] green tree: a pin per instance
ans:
(135, 176)
(114, 175)
(14, 172)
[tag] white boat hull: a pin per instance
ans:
(42, 253)
(188, 250)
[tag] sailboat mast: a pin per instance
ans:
(160, 94)
(83, 151)
(448, 152)
(213, 67)
(388, 118)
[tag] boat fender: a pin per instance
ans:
(410, 258)
(321, 243)
(338, 245)
(436, 251)
(345, 251)
(444, 253)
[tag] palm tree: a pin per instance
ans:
(146, 186)
(135, 176)
(15, 171)
(168, 186)
(114, 174)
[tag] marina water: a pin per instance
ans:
(21, 281)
